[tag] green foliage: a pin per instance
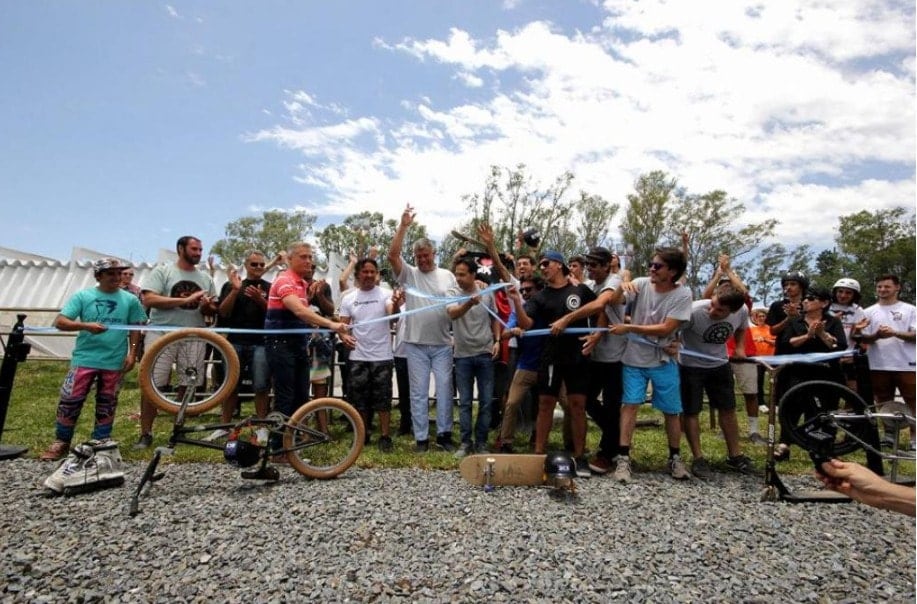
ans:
(645, 217)
(271, 233)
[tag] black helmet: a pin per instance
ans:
(797, 276)
(531, 236)
(241, 454)
(559, 464)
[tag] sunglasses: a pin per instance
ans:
(544, 264)
(525, 290)
(656, 265)
(811, 298)
(256, 264)
(592, 264)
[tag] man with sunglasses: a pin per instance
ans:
(661, 305)
(243, 305)
(562, 360)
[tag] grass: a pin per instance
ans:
(30, 422)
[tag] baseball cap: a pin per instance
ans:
(599, 254)
(107, 264)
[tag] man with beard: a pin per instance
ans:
(178, 295)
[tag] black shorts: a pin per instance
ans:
(574, 375)
(370, 385)
(717, 382)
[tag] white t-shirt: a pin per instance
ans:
(891, 354)
(610, 348)
(431, 326)
(374, 340)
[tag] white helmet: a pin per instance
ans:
(848, 283)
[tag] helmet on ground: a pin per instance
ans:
(559, 465)
(241, 454)
(797, 276)
(848, 283)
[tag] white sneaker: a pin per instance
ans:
(463, 450)
(678, 469)
(622, 469)
(91, 463)
(216, 435)
(263, 434)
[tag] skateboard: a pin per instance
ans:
(506, 469)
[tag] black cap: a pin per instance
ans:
(600, 255)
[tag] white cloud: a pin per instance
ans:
(172, 12)
(754, 99)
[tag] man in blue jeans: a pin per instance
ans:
(476, 333)
(427, 341)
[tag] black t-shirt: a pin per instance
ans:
(550, 304)
(246, 313)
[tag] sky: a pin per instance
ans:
(124, 125)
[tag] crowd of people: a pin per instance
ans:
(534, 330)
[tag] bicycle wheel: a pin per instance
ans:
(176, 367)
(807, 400)
(325, 437)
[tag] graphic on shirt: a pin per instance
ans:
(573, 302)
(183, 289)
(104, 309)
(717, 333)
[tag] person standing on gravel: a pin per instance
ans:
(711, 324)
(101, 355)
(427, 337)
(660, 306)
(370, 361)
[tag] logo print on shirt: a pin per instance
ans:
(717, 333)
(573, 302)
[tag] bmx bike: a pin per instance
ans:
(827, 419)
(320, 440)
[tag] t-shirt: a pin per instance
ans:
(652, 308)
(246, 313)
(849, 315)
(279, 316)
(104, 350)
(472, 331)
(610, 349)
(170, 281)
(764, 341)
(374, 340)
(431, 327)
(891, 354)
(550, 304)
(707, 336)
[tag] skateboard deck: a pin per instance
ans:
(508, 469)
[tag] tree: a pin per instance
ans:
(595, 215)
(271, 233)
(709, 220)
(876, 243)
(645, 219)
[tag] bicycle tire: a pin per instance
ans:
(160, 398)
(334, 447)
(806, 400)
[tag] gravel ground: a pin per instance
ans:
(204, 534)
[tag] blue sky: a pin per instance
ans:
(125, 125)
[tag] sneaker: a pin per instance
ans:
(600, 464)
(89, 466)
(263, 435)
(741, 464)
(463, 450)
(444, 442)
(422, 446)
(216, 435)
(582, 468)
(700, 468)
(55, 451)
(385, 444)
(678, 469)
(481, 448)
(622, 469)
(143, 442)
(756, 439)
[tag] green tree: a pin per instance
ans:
(272, 232)
(876, 243)
(645, 217)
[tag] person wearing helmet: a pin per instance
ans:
(845, 305)
(781, 312)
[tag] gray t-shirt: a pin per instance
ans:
(610, 348)
(472, 331)
(706, 336)
(652, 308)
(173, 282)
(429, 326)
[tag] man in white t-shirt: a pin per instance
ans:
(891, 335)
(370, 361)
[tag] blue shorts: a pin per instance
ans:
(666, 387)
